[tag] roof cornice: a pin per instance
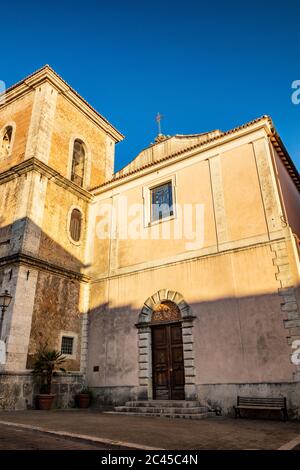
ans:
(47, 74)
(264, 122)
(182, 154)
(285, 158)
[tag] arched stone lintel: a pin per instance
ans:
(145, 339)
(160, 296)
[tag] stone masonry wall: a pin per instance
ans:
(18, 390)
(287, 292)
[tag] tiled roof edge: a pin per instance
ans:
(198, 145)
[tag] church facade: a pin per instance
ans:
(176, 277)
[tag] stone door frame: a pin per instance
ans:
(145, 343)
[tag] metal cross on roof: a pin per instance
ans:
(158, 120)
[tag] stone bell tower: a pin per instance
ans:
(44, 214)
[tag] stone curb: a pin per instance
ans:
(81, 437)
(291, 444)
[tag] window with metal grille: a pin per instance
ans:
(78, 162)
(75, 224)
(161, 202)
(67, 345)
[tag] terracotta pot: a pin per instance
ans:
(44, 401)
(83, 400)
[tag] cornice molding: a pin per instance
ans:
(285, 158)
(33, 164)
(42, 265)
(162, 264)
(224, 138)
(265, 123)
(47, 75)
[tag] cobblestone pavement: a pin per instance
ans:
(211, 433)
(12, 438)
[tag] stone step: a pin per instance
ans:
(185, 409)
(187, 415)
(164, 409)
(164, 403)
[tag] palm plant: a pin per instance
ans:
(48, 362)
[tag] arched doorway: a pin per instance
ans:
(167, 352)
(165, 343)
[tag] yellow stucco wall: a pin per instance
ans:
(238, 330)
(291, 196)
(243, 211)
(231, 284)
(243, 202)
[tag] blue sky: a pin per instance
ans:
(203, 65)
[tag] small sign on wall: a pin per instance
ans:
(2, 352)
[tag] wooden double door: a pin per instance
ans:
(167, 362)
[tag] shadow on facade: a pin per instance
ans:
(46, 282)
(238, 345)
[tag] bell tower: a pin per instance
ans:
(54, 148)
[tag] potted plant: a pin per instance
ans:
(84, 398)
(48, 362)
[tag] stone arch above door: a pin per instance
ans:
(159, 297)
(145, 341)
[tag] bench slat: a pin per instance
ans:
(243, 407)
(261, 403)
(275, 400)
(261, 400)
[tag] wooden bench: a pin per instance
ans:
(251, 403)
